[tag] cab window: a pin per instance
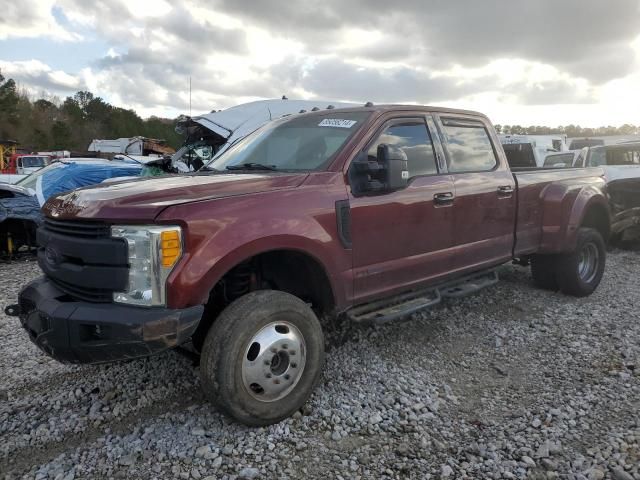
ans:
(469, 147)
(413, 138)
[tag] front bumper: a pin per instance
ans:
(74, 331)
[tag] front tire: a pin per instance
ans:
(262, 357)
(579, 272)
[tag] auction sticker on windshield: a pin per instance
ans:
(337, 122)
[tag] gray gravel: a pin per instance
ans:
(511, 383)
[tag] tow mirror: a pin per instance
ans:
(394, 163)
(386, 173)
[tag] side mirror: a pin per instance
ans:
(387, 173)
(394, 162)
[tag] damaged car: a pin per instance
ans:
(621, 165)
(209, 136)
(20, 203)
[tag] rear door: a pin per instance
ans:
(485, 193)
(401, 239)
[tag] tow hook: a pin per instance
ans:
(12, 310)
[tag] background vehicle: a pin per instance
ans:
(208, 136)
(621, 165)
(368, 214)
(580, 143)
(139, 146)
(529, 151)
(20, 203)
(561, 160)
(21, 165)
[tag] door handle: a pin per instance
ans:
(505, 190)
(444, 198)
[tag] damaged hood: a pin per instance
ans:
(144, 199)
(235, 123)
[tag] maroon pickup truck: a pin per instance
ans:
(367, 214)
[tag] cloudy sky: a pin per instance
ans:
(520, 61)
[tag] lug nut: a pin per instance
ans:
(276, 381)
(292, 352)
(285, 346)
(294, 365)
(267, 362)
(268, 375)
(287, 377)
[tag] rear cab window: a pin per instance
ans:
(469, 146)
(412, 137)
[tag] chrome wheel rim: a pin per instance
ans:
(588, 262)
(273, 361)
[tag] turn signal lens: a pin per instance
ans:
(170, 247)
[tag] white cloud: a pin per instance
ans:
(32, 19)
(37, 76)
(239, 51)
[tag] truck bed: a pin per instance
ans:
(557, 187)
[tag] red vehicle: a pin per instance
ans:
(368, 214)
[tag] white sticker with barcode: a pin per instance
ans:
(337, 122)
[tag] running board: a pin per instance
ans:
(406, 304)
(394, 308)
(468, 285)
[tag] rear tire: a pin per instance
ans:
(580, 272)
(544, 271)
(262, 357)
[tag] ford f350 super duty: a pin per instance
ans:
(363, 214)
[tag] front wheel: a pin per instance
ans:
(579, 272)
(262, 357)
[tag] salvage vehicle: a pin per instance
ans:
(561, 159)
(21, 165)
(621, 165)
(527, 151)
(364, 214)
(139, 146)
(210, 135)
(580, 143)
(20, 202)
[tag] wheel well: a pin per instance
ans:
(22, 233)
(598, 218)
(286, 270)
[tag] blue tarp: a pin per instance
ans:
(70, 176)
(21, 207)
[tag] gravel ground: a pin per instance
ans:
(513, 382)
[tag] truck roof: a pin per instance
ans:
(402, 107)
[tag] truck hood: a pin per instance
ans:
(144, 199)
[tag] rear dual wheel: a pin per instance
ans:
(262, 357)
(577, 273)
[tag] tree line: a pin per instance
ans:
(569, 130)
(71, 124)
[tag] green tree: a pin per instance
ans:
(61, 136)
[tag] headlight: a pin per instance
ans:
(153, 251)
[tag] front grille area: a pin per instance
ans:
(82, 259)
(78, 229)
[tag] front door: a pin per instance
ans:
(401, 239)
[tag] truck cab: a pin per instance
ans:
(26, 164)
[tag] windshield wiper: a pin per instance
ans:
(252, 166)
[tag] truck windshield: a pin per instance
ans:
(33, 162)
(307, 142)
